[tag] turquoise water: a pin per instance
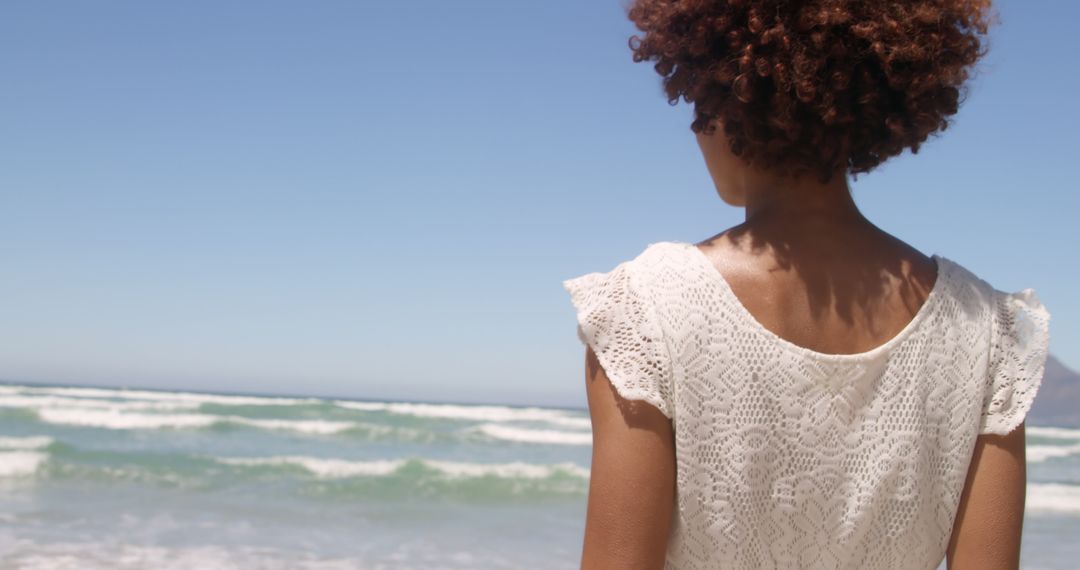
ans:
(104, 478)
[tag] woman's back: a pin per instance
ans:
(847, 291)
(821, 395)
(791, 457)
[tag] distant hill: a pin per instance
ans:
(1058, 400)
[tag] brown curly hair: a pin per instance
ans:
(814, 85)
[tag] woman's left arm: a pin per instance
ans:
(632, 479)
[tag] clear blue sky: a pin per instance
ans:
(381, 199)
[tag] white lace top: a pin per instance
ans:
(791, 458)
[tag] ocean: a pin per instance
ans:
(109, 478)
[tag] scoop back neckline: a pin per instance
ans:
(941, 264)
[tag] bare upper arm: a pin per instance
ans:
(989, 520)
(632, 480)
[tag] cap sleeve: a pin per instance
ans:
(1018, 352)
(616, 317)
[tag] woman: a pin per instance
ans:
(804, 390)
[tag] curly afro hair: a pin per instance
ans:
(814, 85)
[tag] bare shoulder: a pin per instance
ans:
(831, 290)
(913, 266)
(753, 257)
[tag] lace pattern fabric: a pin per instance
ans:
(1018, 359)
(617, 317)
(790, 458)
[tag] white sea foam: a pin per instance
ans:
(37, 402)
(1040, 453)
(330, 468)
(1052, 432)
(20, 463)
(151, 395)
(362, 406)
(1053, 497)
(118, 419)
(29, 442)
(319, 427)
(121, 420)
(322, 467)
(515, 469)
(473, 413)
(38, 397)
(523, 435)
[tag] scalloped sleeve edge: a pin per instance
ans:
(619, 323)
(1020, 348)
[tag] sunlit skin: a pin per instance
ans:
(812, 269)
